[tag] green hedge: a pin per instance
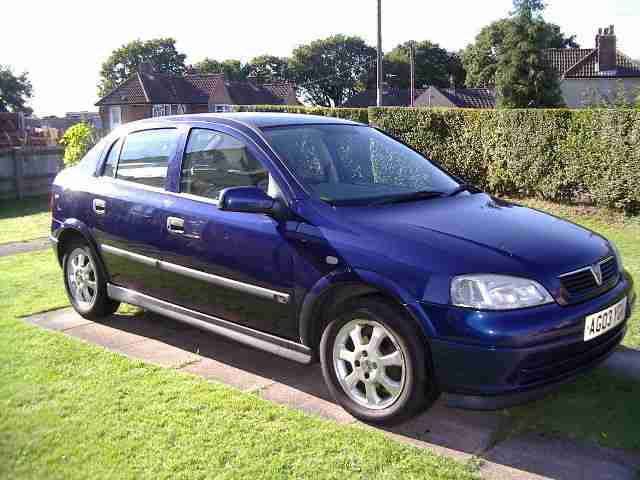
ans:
(590, 156)
(570, 155)
(356, 114)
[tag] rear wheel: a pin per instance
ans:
(85, 283)
(373, 361)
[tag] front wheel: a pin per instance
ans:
(374, 362)
(86, 284)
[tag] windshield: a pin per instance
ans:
(351, 164)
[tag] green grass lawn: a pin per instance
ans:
(73, 410)
(25, 219)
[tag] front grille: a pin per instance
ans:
(564, 360)
(581, 284)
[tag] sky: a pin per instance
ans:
(63, 44)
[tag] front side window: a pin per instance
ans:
(214, 161)
(350, 164)
(145, 156)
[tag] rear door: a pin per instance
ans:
(129, 208)
(234, 266)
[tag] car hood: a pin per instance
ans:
(482, 232)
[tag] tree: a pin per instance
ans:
(523, 76)
(268, 69)
(480, 59)
(329, 71)
(161, 53)
(233, 69)
(77, 140)
(15, 90)
(434, 66)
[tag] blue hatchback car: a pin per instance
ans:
(318, 238)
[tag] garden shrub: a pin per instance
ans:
(569, 155)
(77, 140)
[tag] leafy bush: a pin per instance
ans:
(77, 141)
(572, 155)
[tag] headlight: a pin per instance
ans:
(616, 253)
(497, 292)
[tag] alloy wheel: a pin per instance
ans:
(370, 363)
(82, 281)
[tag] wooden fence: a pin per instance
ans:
(28, 171)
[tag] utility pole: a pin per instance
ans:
(379, 67)
(412, 63)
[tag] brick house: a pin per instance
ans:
(150, 94)
(596, 75)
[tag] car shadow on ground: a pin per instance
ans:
(456, 432)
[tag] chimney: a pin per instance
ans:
(606, 47)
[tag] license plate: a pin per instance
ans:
(605, 320)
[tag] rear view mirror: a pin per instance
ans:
(246, 199)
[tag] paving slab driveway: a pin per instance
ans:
(461, 434)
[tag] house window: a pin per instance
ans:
(164, 109)
(161, 110)
(115, 116)
(221, 108)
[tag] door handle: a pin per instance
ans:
(99, 206)
(175, 225)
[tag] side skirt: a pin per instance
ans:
(253, 338)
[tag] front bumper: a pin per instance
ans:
(488, 377)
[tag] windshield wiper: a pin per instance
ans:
(408, 197)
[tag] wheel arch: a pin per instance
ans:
(339, 287)
(75, 230)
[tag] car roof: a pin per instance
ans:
(256, 119)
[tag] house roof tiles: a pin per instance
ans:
(583, 63)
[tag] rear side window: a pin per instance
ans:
(112, 159)
(145, 157)
(214, 161)
(88, 162)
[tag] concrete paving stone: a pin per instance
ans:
(223, 373)
(236, 355)
(143, 325)
(13, 248)
(157, 352)
(563, 459)
(301, 400)
(58, 320)
(463, 430)
(104, 335)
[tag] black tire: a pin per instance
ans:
(101, 305)
(418, 388)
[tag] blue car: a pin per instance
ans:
(316, 238)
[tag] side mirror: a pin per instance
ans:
(246, 199)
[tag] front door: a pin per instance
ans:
(234, 266)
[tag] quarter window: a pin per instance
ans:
(145, 157)
(214, 161)
(112, 159)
